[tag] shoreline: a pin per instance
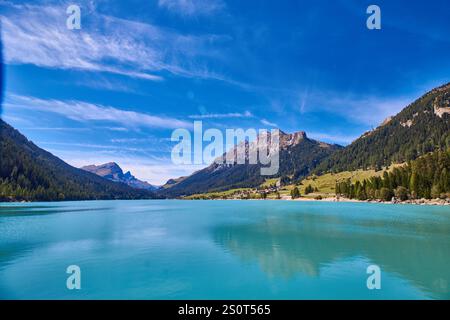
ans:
(419, 202)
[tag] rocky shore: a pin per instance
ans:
(432, 202)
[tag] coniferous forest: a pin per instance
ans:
(427, 177)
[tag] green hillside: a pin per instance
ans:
(420, 128)
(32, 174)
(427, 177)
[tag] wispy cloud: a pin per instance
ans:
(332, 138)
(192, 7)
(150, 139)
(246, 114)
(37, 35)
(84, 112)
(92, 146)
(56, 129)
(104, 83)
(360, 108)
(369, 110)
(118, 129)
(268, 123)
(234, 115)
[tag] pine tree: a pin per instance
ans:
(295, 193)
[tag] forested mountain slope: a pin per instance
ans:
(422, 127)
(30, 173)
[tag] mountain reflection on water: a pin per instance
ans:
(286, 246)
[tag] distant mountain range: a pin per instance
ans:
(421, 127)
(30, 173)
(112, 171)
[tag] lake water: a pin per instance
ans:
(223, 250)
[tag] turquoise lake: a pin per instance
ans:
(223, 250)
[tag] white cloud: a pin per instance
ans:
(92, 146)
(369, 110)
(84, 112)
(56, 129)
(135, 140)
(105, 83)
(332, 138)
(364, 109)
(192, 7)
(37, 35)
(268, 123)
(246, 114)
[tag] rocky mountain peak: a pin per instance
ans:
(112, 171)
(293, 139)
(112, 166)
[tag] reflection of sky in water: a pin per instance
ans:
(182, 249)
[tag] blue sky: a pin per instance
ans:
(116, 89)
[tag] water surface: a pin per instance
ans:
(223, 250)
